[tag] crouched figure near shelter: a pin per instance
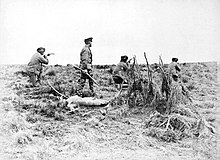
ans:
(35, 66)
(120, 72)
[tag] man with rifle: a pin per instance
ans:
(35, 66)
(86, 67)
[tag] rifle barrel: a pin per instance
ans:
(86, 74)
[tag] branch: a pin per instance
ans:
(87, 75)
(147, 64)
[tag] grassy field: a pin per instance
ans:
(36, 123)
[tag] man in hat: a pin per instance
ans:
(172, 74)
(174, 69)
(120, 71)
(86, 66)
(35, 66)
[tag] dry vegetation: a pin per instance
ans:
(139, 124)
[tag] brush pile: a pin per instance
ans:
(173, 116)
(142, 91)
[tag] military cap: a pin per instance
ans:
(40, 49)
(174, 59)
(88, 39)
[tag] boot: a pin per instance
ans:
(38, 81)
(92, 89)
(93, 93)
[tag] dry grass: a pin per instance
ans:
(40, 126)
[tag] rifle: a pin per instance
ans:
(56, 90)
(86, 74)
(50, 54)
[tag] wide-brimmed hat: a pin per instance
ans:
(40, 48)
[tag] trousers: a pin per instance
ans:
(34, 78)
(83, 80)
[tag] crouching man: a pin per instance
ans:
(120, 71)
(35, 66)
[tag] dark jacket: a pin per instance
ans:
(121, 69)
(174, 69)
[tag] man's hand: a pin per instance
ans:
(89, 66)
(85, 71)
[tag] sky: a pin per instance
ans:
(186, 29)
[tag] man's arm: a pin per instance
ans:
(177, 67)
(43, 59)
(125, 66)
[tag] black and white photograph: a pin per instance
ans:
(109, 79)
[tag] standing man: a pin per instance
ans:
(35, 66)
(174, 69)
(86, 66)
(172, 75)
